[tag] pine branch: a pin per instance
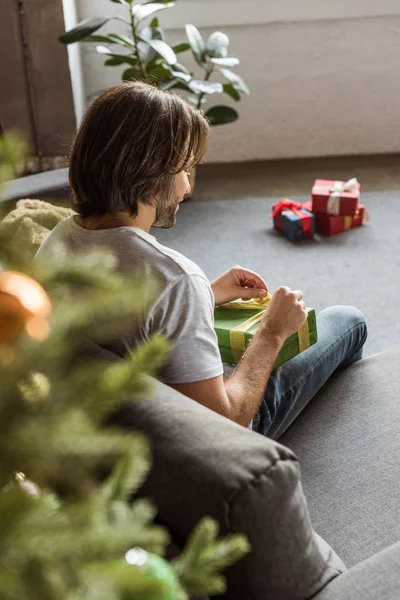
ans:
(41, 581)
(13, 504)
(95, 588)
(204, 557)
(10, 586)
(64, 536)
(86, 545)
(124, 380)
(124, 581)
(129, 473)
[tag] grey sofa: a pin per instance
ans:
(346, 447)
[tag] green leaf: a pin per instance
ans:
(163, 49)
(181, 47)
(118, 59)
(124, 40)
(159, 72)
(103, 50)
(113, 62)
(131, 73)
(229, 61)
(217, 45)
(142, 11)
(179, 67)
(155, 23)
(197, 44)
(148, 54)
(97, 38)
(220, 115)
(182, 76)
(163, 73)
(236, 81)
(152, 33)
(198, 86)
(83, 29)
(231, 91)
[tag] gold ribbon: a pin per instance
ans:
(347, 223)
(236, 334)
(304, 336)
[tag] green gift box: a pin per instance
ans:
(235, 324)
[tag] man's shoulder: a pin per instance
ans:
(169, 260)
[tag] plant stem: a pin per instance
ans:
(209, 72)
(136, 40)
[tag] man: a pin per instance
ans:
(129, 172)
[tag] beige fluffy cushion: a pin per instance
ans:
(30, 222)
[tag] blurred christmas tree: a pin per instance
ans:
(64, 535)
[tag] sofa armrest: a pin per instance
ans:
(377, 577)
(204, 464)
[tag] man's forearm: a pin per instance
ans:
(246, 387)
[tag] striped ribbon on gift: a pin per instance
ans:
(237, 337)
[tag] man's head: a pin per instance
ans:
(135, 145)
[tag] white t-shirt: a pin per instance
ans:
(183, 311)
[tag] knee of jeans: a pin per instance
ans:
(348, 315)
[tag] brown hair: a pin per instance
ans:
(132, 140)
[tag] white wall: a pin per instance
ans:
(324, 74)
(75, 60)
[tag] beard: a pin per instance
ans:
(166, 214)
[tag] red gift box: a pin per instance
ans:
(330, 225)
(338, 198)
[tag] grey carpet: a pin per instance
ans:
(360, 267)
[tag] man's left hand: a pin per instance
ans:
(238, 283)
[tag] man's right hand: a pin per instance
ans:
(285, 314)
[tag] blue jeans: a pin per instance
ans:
(342, 332)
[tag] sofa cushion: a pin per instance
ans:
(348, 444)
(377, 577)
(204, 464)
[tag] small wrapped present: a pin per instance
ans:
(329, 225)
(236, 323)
(338, 198)
(293, 220)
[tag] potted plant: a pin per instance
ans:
(144, 51)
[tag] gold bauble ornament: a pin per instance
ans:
(24, 306)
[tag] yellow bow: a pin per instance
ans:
(253, 304)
